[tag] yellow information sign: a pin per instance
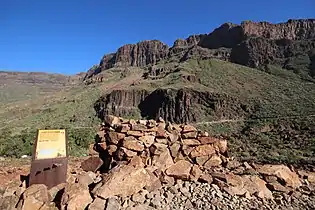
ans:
(51, 144)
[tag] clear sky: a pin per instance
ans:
(69, 36)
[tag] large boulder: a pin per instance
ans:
(124, 180)
(240, 185)
(35, 197)
(290, 178)
(203, 150)
(163, 161)
(180, 170)
(77, 197)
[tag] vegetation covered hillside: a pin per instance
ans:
(274, 121)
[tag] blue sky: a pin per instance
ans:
(69, 36)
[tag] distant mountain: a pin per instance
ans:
(288, 45)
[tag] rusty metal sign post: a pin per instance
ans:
(50, 158)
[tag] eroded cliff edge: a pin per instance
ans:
(289, 45)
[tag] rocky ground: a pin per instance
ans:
(157, 165)
(191, 195)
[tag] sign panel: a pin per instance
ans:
(50, 158)
(50, 144)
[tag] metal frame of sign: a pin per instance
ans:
(50, 171)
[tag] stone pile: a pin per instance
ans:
(162, 153)
(150, 164)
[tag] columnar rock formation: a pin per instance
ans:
(250, 43)
(174, 105)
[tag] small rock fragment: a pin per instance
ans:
(148, 140)
(92, 164)
(112, 204)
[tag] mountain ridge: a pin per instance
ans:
(253, 44)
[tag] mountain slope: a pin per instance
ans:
(262, 94)
(266, 115)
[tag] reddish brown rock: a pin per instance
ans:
(282, 172)
(261, 189)
(207, 178)
(161, 140)
(37, 191)
(161, 132)
(175, 149)
(139, 127)
(115, 137)
(112, 149)
(180, 170)
(179, 157)
(191, 142)
(190, 135)
(92, 164)
(143, 122)
(85, 179)
(188, 128)
(187, 149)
(97, 204)
(78, 196)
(124, 180)
(53, 192)
(147, 140)
(162, 161)
(233, 164)
(133, 144)
(32, 204)
(203, 134)
(195, 173)
(154, 183)
(134, 133)
(139, 55)
(132, 122)
(221, 146)
(151, 123)
(101, 136)
(201, 160)
(173, 136)
(111, 120)
(10, 202)
(208, 140)
(124, 128)
(35, 197)
(240, 185)
(124, 153)
(271, 179)
(157, 148)
(202, 150)
(311, 177)
(177, 128)
(214, 161)
(136, 162)
(276, 186)
(167, 180)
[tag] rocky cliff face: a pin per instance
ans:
(292, 30)
(122, 102)
(250, 43)
(174, 105)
